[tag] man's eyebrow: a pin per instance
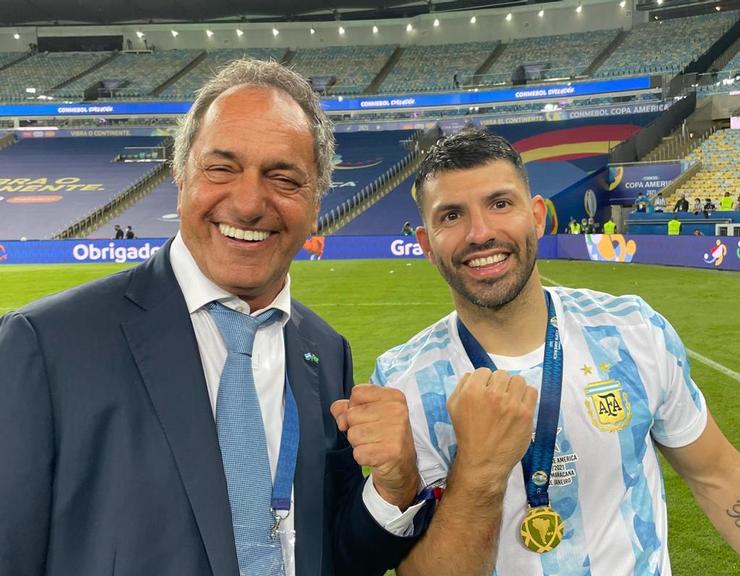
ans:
(226, 154)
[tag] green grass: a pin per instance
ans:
(378, 304)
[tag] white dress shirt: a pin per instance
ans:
(268, 366)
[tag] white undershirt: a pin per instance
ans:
(268, 366)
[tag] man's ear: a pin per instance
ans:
(539, 211)
(423, 238)
(315, 223)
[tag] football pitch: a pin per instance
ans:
(377, 304)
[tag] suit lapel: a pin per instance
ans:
(303, 376)
(165, 350)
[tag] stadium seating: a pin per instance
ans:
(725, 80)
(362, 157)
(720, 171)
(184, 88)
(66, 179)
(44, 71)
(154, 216)
(141, 73)
(425, 68)
(354, 67)
(567, 55)
(666, 46)
(387, 215)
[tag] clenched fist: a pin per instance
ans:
(492, 415)
(376, 421)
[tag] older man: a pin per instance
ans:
(173, 420)
(586, 493)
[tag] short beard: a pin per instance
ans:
(494, 294)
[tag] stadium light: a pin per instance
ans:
(623, 3)
(580, 8)
(30, 90)
(341, 30)
(375, 29)
(409, 27)
(717, 8)
(312, 31)
(17, 36)
(659, 2)
(174, 33)
(209, 33)
(541, 13)
(509, 17)
(275, 31)
(139, 34)
(436, 23)
(473, 20)
(239, 32)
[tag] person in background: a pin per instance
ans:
(573, 226)
(118, 232)
(736, 208)
(585, 493)
(641, 203)
(659, 203)
(674, 227)
(682, 205)
(610, 227)
(708, 207)
(130, 233)
(407, 229)
(698, 206)
(726, 203)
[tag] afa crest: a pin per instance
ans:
(608, 405)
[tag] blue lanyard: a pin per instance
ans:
(537, 462)
(288, 457)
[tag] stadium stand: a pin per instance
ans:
(565, 55)
(185, 87)
(154, 216)
(425, 68)
(49, 183)
(387, 215)
(44, 71)
(666, 46)
(719, 172)
(9, 57)
(362, 158)
(354, 67)
(139, 73)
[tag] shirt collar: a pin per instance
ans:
(199, 290)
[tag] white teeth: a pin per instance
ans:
(478, 262)
(239, 234)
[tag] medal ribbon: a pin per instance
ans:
(539, 455)
(285, 472)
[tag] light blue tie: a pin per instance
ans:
(241, 436)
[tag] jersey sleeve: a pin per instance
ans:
(681, 414)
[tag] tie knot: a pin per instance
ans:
(238, 330)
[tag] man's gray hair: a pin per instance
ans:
(248, 72)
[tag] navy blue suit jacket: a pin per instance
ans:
(109, 455)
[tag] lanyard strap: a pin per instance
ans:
(288, 457)
(537, 462)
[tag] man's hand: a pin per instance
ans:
(376, 421)
(492, 414)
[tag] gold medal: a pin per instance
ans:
(542, 529)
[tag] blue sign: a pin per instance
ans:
(78, 251)
(101, 109)
(521, 94)
(627, 181)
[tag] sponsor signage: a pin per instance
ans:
(473, 98)
(482, 97)
(627, 181)
(712, 252)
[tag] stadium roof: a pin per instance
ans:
(98, 12)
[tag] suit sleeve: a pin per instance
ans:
(361, 546)
(26, 450)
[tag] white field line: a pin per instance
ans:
(692, 354)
